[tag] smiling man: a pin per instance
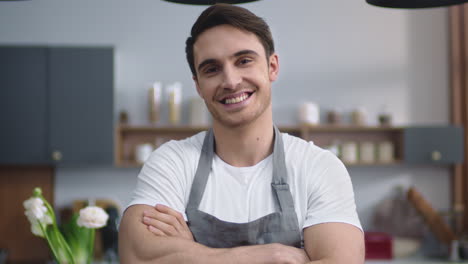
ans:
(241, 192)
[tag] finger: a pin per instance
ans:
(151, 213)
(302, 256)
(165, 228)
(156, 231)
(165, 218)
(305, 255)
(167, 210)
(177, 221)
(161, 216)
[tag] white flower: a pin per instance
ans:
(37, 215)
(35, 208)
(36, 229)
(92, 217)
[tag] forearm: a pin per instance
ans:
(322, 261)
(185, 251)
(138, 245)
(175, 250)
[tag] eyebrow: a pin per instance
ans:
(237, 54)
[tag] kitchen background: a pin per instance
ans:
(339, 54)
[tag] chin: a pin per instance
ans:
(236, 122)
(239, 119)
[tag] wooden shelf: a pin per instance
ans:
(128, 137)
(165, 129)
(365, 164)
(186, 129)
(349, 128)
(286, 129)
(133, 164)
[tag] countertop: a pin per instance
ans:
(413, 261)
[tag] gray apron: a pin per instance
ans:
(278, 227)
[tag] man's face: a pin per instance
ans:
(233, 75)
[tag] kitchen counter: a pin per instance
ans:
(395, 261)
(412, 261)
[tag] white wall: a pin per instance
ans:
(341, 54)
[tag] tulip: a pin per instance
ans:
(77, 246)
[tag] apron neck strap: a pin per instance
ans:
(279, 164)
(280, 175)
(279, 180)
(203, 171)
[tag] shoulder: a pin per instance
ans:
(167, 174)
(193, 143)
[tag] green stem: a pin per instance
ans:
(91, 245)
(65, 247)
(59, 238)
(50, 209)
(50, 242)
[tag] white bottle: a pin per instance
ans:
(198, 112)
(175, 102)
(142, 152)
(349, 152)
(309, 113)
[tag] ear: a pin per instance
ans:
(195, 80)
(273, 67)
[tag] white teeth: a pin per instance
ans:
(237, 99)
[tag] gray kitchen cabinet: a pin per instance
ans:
(81, 105)
(56, 105)
(23, 104)
(433, 145)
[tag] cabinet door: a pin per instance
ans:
(81, 105)
(23, 97)
(433, 145)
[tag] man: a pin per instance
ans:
(249, 193)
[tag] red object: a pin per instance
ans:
(378, 245)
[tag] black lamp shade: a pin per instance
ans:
(210, 2)
(415, 3)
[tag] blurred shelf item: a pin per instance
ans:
(435, 145)
(129, 137)
(347, 142)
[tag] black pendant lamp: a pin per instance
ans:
(415, 3)
(210, 2)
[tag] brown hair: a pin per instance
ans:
(225, 14)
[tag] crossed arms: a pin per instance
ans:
(164, 237)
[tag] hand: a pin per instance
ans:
(274, 253)
(164, 221)
(287, 255)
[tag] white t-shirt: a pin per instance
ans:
(319, 182)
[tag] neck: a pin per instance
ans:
(245, 145)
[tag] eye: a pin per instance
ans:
(245, 60)
(210, 69)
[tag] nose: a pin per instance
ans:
(231, 78)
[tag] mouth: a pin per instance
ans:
(236, 98)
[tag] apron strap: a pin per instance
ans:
(279, 180)
(203, 171)
(280, 175)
